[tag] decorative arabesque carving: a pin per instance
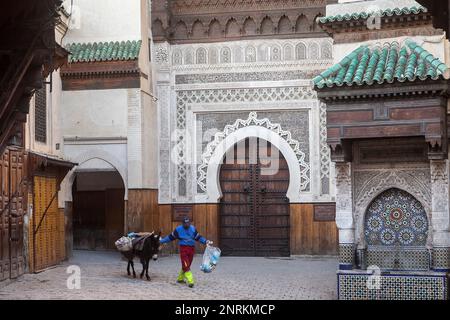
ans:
(253, 120)
(187, 97)
(224, 53)
(324, 151)
(180, 88)
(215, 6)
(440, 195)
(344, 188)
(162, 55)
(344, 203)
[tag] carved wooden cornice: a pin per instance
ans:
(404, 115)
(360, 30)
(101, 75)
(220, 20)
(400, 90)
(183, 7)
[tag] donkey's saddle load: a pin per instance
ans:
(132, 241)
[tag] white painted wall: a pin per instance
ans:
(54, 130)
(104, 20)
(100, 156)
(95, 113)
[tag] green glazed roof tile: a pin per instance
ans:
(104, 51)
(365, 15)
(378, 76)
(373, 62)
(391, 63)
(360, 71)
(401, 64)
(379, 64)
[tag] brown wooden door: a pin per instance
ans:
(114, 219)
(254, 214)
(47, 224)
(13, 190)
(98, 218)
(17, 211)
(4, 217)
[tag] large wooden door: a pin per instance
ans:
(98, 219)
(46, 246)
(4, 217)
(254, 213)
(12, 210)
(17, 210)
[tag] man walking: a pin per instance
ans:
(187, 235)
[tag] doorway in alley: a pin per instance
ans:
(98, 209)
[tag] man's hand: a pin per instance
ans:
(209, 243)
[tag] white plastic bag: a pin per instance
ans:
(124, 244)
(210, 259)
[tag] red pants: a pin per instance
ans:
(186, 255)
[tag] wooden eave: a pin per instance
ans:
(100, 69)
(387, 22)
(59, 59)
(44, 160)
(384, 90)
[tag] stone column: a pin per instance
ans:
(440, 218)
(344, 215)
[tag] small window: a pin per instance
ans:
(40, 115)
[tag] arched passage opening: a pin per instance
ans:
(98, 193)
(254, 208)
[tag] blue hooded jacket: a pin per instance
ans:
(186, 237)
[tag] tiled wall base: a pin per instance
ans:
(346, 254)
(388, 258)
(441, 259)
(353, 285)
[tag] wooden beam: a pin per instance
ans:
(17, 79)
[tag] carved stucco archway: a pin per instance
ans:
(388, 180)
(213, 157)
(66, 185)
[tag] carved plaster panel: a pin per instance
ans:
(301, 149)
(251, 75)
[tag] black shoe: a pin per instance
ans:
(190, 285)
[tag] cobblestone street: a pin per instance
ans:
(103, 276)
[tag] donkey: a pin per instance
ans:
(150, 249)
